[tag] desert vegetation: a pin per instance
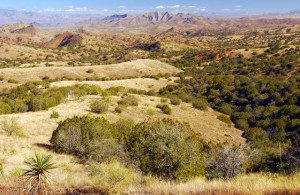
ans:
(172, 111)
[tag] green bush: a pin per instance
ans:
(130, 100)
(166, 109)
(200, 104)
(4, 108)
(54, 114)
(165, 148)
(99, 106)
(242, 124)
(87, 137)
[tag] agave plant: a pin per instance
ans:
(36, 173)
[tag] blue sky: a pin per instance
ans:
(107, 7)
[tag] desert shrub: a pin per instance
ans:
(242, 124)
(225, 119)
(4, 108)
(167, 149)
(54, 114)
(90, 71)
(18, 106)
(99, 106)
(12, 81)
(164, 148)
(150, 111)
(200, 104)
(119, 109)
(129, 100)
(1, 78)
(164, 100)
(227, 162)
(88, 138)
(11, 127)
(166, 109)
(175, 101)
(1, 167)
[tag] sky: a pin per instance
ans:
(107, 7)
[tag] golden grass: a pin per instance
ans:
(136, 68)
(135, 83)
(245, 184)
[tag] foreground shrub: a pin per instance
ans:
(87, 137)
(99, 106)
(227, 162)
(165, 148)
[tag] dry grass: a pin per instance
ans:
(136, 83)
(247, 184)
(136, 68)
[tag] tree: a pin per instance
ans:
(36, 173)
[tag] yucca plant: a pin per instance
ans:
(36, 173)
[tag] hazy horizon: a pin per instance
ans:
(105, 7)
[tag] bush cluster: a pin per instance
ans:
(164, 148)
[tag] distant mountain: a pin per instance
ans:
(115, 17)
(151, 22)
(9, 28)
(13, 16)
(166, 20)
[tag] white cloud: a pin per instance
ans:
(160, 7)
(238, 6)
(174, 6)
(202, 9)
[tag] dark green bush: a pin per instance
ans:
(87, 137)
(165, 148)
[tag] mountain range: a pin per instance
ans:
(150, 22)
